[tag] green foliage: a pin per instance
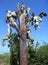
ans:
(14, 50)
(15, 53)
(5, 59)
(42, 55)
(31, 55)
(35, 56)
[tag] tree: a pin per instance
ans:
(42, 55)
(22, 27)
(36, 56)
(15, 54)
(14, 50)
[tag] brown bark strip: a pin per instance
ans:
(23, 48)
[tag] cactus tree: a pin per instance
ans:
(22, 27)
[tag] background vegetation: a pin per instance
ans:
(36, 55)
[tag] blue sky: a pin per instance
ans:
(37, 6)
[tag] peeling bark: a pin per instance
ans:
(23, 48)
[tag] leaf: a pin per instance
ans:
(18, 6)
(3, 43)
